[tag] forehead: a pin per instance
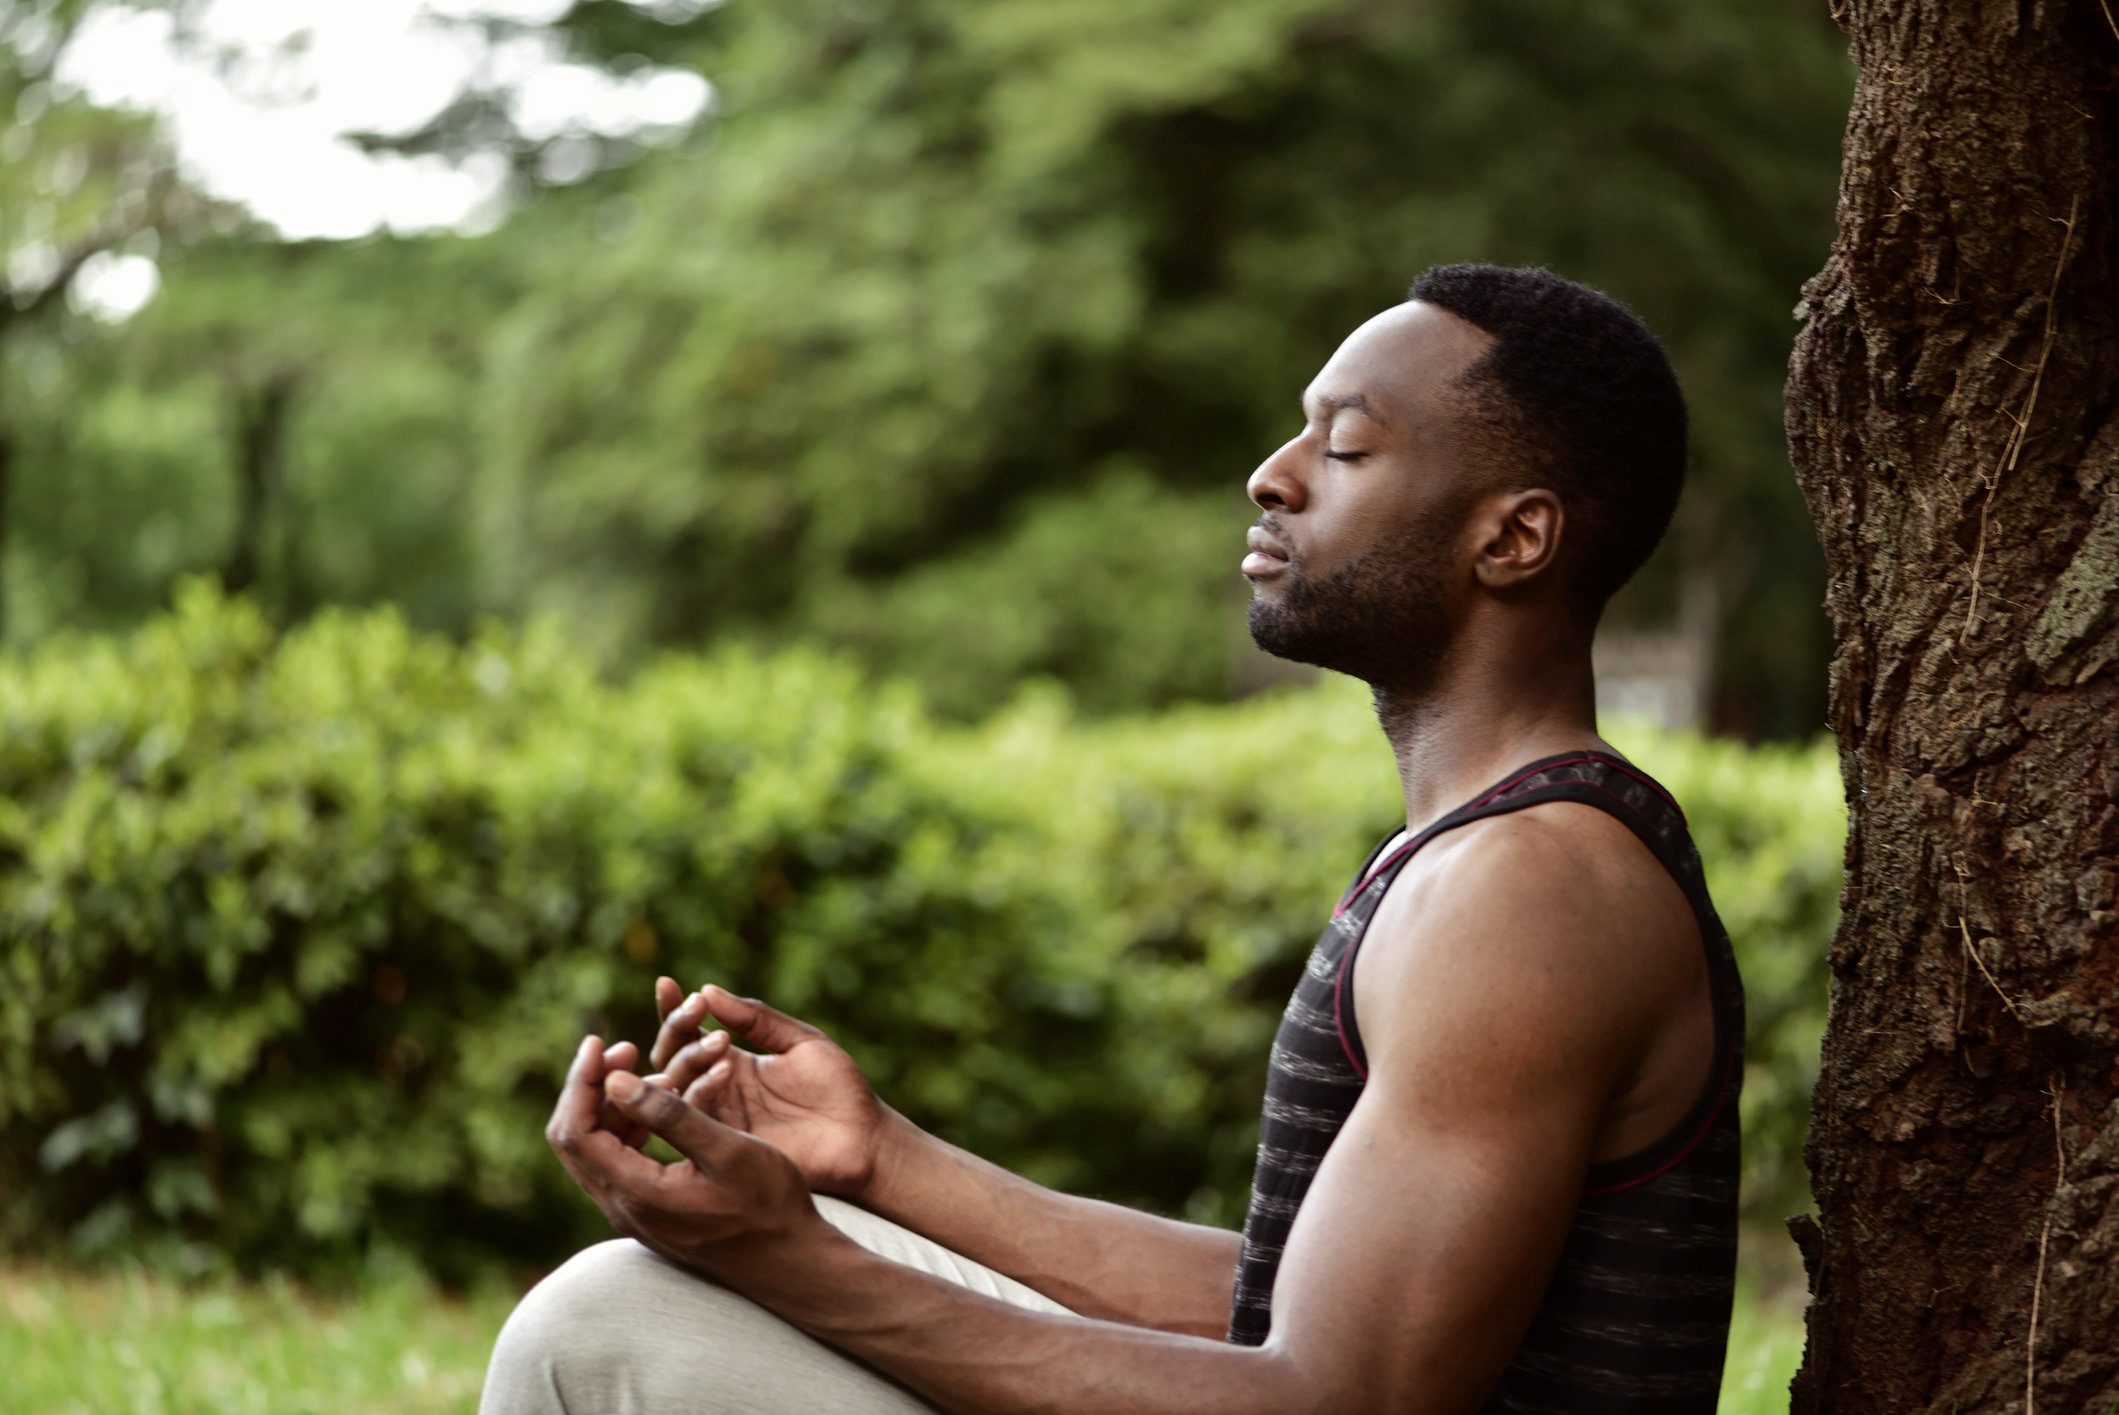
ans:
(1398, 366)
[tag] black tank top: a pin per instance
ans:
(1635, 1317)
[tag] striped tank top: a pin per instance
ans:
(1635, 1317)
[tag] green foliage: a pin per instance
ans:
(297, 932)
(927, 274)
(1110, 590)
(293, 928)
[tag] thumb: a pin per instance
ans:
(691, 1132)
(764, 1027)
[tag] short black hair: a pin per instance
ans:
(1582, 397)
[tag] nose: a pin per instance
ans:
(1278, 480)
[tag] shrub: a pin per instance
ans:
(298, 930)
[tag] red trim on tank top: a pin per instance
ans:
(1648, 781)
(1728, 1078)
(1529, 771)
(1627, 806)
(1346, 1047)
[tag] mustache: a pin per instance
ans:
(1272, 527)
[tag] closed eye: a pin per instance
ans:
(1346, 456)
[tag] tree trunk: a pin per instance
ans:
(1953, 415)
(260, 436)
(7, 504)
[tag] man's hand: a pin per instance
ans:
(804, 1095)
(730, 1196)
(800, 1092)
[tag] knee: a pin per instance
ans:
(584, 1337)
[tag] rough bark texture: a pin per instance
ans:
(1953, 412)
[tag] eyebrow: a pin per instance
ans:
(1326, 406)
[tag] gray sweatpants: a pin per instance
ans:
(619, 1331)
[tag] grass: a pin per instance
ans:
(1765, 1345)
(144, 1345)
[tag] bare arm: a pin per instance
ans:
(802, 1093)
(1102, 1260)
(1419, 1255)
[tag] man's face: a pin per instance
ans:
(1367, 505)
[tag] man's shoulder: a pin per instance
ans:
(1552, 926)
(1542, 866)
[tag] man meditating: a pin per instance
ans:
(1497, 1168)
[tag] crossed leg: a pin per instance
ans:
(617, 1330)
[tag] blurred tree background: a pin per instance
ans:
(945, 333)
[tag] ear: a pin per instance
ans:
(1520, 533)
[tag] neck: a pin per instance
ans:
(1494, 705)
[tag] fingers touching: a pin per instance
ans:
(701, 1068)
(693, 1060)
(582, 1091)
(590, 1149)
(680, 1025)
(713, 1094)
(692, 1134)
(681, 1057)
(766, 1028)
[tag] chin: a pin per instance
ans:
(1272, 633)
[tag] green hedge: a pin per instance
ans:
(297, 931)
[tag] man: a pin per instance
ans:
(1498, 1162)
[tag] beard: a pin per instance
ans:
(1384, 619)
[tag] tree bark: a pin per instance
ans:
(1953, 416)
(260, 439)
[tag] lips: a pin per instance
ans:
(1268, 556)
